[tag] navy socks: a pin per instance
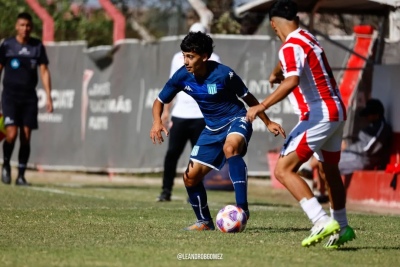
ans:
(198, 200)
(238, 175)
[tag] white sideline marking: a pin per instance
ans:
(58, 191)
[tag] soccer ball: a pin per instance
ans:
(231, 219)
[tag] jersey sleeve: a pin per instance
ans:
(43, 60)
(291, 58)
(171, 88)
(235, 83)
(2, 53)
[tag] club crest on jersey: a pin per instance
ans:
(195, 151)
(212, 89)
(14, 63)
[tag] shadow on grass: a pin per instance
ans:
(263, 204)
(94, 186)
(351, 249)
(266, 204)
(276, 230)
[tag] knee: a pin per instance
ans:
(11, 136)
(229, 151)
(279, 174)
(189, 181)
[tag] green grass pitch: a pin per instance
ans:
(96, 222)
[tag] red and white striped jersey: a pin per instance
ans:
(317, 98)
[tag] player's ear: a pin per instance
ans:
(204, 57)
(272, 23)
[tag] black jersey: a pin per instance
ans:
(20, 62)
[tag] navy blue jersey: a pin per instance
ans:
(216, 93)
(20, 62)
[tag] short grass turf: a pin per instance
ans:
(56, 224)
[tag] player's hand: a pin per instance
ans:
(253, 111)
(156, 132)
(276, 129)
(49, 105)
(274, 78)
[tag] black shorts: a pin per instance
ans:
(20, 111)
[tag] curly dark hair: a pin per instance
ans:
(25, 15)
(285, 9)
(198, 42)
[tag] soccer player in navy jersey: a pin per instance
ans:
(20, 56)
(216, 88)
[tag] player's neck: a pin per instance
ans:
(200, 73)
(288, 29)
(22, 40)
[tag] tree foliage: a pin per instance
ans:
(160, 17)
(9, 9)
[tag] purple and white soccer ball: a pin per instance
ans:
(231, 219)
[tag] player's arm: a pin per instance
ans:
(2, 55)
(287, 86)
(166, 114)
(46, 81)
(273, 127)
(291, 58)
(276, 75)
(158, 127)
(166, 95)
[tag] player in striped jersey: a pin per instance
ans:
(306, 78)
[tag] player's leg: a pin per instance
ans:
(177, 140)
(329, 156)
(10, 115)
(235, 147)
(8, 147)
(207, 154)
(29, 113)
(23, 155)
(304, 139)
(192, 178)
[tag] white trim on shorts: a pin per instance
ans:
(205, 164)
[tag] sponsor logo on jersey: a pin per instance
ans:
(15, 63)
(212, 89)
(24, 51)
(187, 88)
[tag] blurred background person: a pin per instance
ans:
(20, 56)
(370, 150)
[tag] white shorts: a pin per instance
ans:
(323, 139)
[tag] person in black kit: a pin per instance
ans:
(20, 56)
